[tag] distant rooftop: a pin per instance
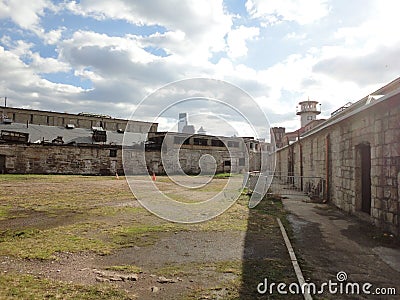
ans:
(38, 133)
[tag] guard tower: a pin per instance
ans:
(308, 111)
(182, 122)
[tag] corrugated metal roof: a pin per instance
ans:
(77, 135)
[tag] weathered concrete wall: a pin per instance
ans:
(49, 159)
(99, 159)
(335, 154)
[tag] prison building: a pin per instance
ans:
(194, 151)
(356, 153)
(80, 120)
(71, 146)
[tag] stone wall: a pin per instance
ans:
(106, 159)
(337, 154)
(61, 159)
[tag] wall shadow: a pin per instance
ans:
(265, 255)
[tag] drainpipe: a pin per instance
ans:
(327, 166)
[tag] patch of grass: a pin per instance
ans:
(141, 234)
(43, 244)
(173, 270)
(4, 211)
(235, 218)
(275, 270)
(61, 192)
(224, 287)
(125, 269)
(50, 177)
(230, 266)
(17, 286)
(115, 210)
(222, 175)
(178, 197)
(215, 292)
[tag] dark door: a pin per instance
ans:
(2, 164)
(365, 151)
(290, 166)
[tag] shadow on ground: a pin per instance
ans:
(265, 256)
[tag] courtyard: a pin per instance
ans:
(87, 237)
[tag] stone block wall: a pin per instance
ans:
(99, 160)
(334, 153)
(57, 159)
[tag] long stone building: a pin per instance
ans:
(356, 153)
(81, 120)
(43, 142)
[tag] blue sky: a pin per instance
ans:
(106, 56)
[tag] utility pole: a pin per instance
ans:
(5, 101)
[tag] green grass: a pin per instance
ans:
(104, 228)
(33, 243)
(141, 234)
(111, 211)
(125, 269)
(4, 212)
(44, 244)
(222, 175)
(17, 286)
(51, 177)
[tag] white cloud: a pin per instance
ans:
(53, 36)
(22, 84)
(237, 40)
(295, 36)
(47, 65)
(24, 13)
(27, 15)
(379, 29)
(302, 12)
(21, 51)
(203, 24)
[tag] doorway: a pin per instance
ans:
(365, 160)
(2, 164)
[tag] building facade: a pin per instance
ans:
(357, 153)
(76, 147)
(81, 120)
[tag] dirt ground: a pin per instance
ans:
(82, 237)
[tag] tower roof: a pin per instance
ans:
(308, 101)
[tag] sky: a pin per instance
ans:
(106, 56)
